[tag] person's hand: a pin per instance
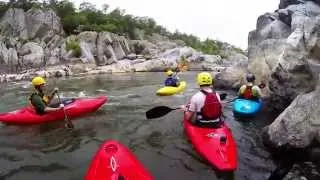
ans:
(56, 89)
(61, 106)
(184, 108)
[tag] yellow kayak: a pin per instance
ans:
(169, 90)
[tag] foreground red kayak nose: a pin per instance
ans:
(114, 161)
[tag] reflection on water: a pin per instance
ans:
(49, 151)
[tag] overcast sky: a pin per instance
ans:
(225, 20)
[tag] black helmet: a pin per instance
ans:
(250, 77)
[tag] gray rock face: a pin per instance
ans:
(104, 48)
(281, 48)
(299, 124)
(293, 74)
(31, 24)
(40, 23)
(13, 23)
(285, 3)
(32, 54)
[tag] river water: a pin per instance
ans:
(51, 152)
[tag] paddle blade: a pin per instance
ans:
(158, 112)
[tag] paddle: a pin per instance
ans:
(181, 67)
(68, 124)
(159, 111)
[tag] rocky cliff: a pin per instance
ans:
(284, 50)
(34, 43)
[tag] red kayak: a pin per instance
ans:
(216, 145)
(77, 107)
(114, 161)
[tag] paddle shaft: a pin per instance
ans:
(68, 122)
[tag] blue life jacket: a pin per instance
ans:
(170, 81)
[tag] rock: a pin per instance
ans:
(230, 78)
(3, 54)
(86, 51)
(58, 74)
(31, 24)
(265, 20)
(155, 65)
(104, 49)
(32, 55)
(293, 74)
(117, 46)
(298, 125)
(238, 60)
(285, 15)
(131, 56)
(308, 8)
(281, 50)
(88, 46)
(187, 52)
(303, 171)
(40, 23)
(13, 23)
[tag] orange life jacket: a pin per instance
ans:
(248, 92)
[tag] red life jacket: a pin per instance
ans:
(248, 92)
(212, 108)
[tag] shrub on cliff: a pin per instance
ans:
(73, 45)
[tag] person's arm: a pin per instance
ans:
(257, 91)
(50, 109)
(54, 91)
(241, 90)
(40, 105)
(190, 109)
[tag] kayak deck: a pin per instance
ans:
(114, 161)
(170, 90)
(246, 107)
(216, 145)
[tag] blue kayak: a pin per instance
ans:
(246, 107)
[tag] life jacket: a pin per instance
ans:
(44, 98)
(247, 94)
(171, 81)
(211, 110)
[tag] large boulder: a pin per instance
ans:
(298, 125)
(32, 55)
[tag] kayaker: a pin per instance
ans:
(171, 80)
(249, 90)
(39, 100)
(205, 107)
